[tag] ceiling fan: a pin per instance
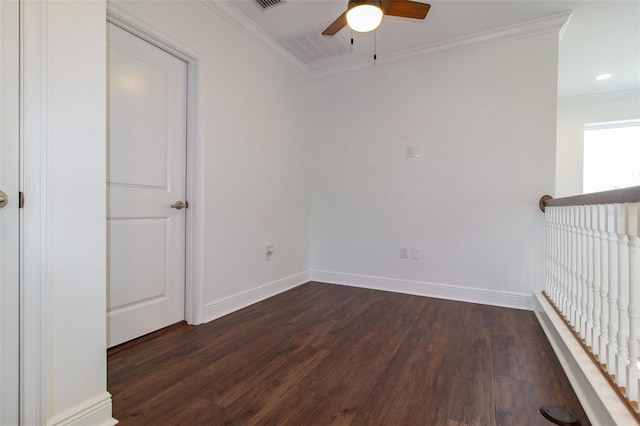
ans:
(366, 15)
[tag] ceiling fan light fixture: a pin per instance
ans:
(363, 18)
(605, 76)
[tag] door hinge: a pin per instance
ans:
(21, 199)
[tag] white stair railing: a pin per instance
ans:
(593, 278)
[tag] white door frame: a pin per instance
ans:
(194, 261)
(10, 213)
(33, 251)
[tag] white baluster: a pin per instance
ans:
(570, 263)
(613, 289)
(580, 275)
(622, 356)
(550, 287)
(604, 282)
(594, 271)
(587, 274)
(556, 260)
(573, 263)
(566, 260)
(555, 252)
(634, 301)
(548, 257)
(559, 257)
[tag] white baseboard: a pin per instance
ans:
(418, 288)
(231, 304)
(93, 412)
(600, 402)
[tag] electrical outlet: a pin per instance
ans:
(415, 253)
(413, 151)
(404, 252)
(269, 252)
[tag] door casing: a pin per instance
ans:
(10, 214)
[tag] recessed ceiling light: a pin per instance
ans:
(604, 76)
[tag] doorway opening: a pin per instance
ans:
(193, 248)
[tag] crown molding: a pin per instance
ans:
(236, 18)
(552, 23)
(618, 95)
(564, 27)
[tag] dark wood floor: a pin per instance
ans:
(322, 354)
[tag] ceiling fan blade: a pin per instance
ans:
(405, 9)
(337, 25)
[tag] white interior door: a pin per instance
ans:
(146, 175)
(9, 213)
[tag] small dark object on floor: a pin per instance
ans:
(559, 416)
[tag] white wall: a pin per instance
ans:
(573, 114)
(254, 127)
(486, 121)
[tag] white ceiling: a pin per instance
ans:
(601, 36)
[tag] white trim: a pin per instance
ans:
(238, 301)
(564, 27)
(90, 413)
(612, 124)
(600, 402)
(10, 216)
(194, 272)
(194, 266)
(148, 32)
(619, 95)
(249, 28)
(420, 288)
(553, 23)
(33, 226)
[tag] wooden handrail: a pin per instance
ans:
(623, 195)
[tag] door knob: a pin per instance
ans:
(4, 199)
(179, 205)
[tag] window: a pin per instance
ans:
(611, 155)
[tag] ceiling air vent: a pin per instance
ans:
(313, 46)
(268, 3)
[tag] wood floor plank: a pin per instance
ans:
(403, 395)
(396, 388)
(374, 345)
(324, 354)
(430, 401)
(517, 403)
(276, 395)
(255, 371)
(475, 357)
(136, 395)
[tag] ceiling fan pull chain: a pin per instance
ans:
(375, 46)
(352, 37)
